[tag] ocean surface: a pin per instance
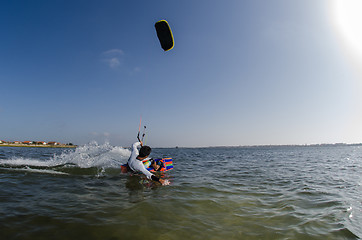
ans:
(280, 192)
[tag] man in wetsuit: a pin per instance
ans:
(136, 165)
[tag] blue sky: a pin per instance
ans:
(241, 72)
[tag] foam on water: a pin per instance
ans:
(88, 156)
(28, 169)
(20, 161)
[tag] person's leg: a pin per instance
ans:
(155, 166)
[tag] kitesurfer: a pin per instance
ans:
(135, 162)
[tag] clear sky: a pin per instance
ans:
(248, 72)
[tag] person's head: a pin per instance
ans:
(145, 151)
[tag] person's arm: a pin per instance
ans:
(135, 146)
(134, 154)
(149, 175)
(134, 150)
(162, 181)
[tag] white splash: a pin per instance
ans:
(20, 161)
(94, 155)
(349, 210)
(90, 155)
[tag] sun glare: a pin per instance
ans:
(347, 16)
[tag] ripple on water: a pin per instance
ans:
(250, 193)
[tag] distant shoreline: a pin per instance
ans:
(38, 146)
(281, 145)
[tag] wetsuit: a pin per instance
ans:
(137, 166)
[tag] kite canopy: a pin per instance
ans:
(164, 34)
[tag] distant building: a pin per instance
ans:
(53, 143)
(28, 142)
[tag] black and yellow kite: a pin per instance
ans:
(164, 34)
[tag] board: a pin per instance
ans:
(166, 165)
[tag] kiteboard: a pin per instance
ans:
(165, 164)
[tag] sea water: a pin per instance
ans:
(276, 192)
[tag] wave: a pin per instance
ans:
(89, 159)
